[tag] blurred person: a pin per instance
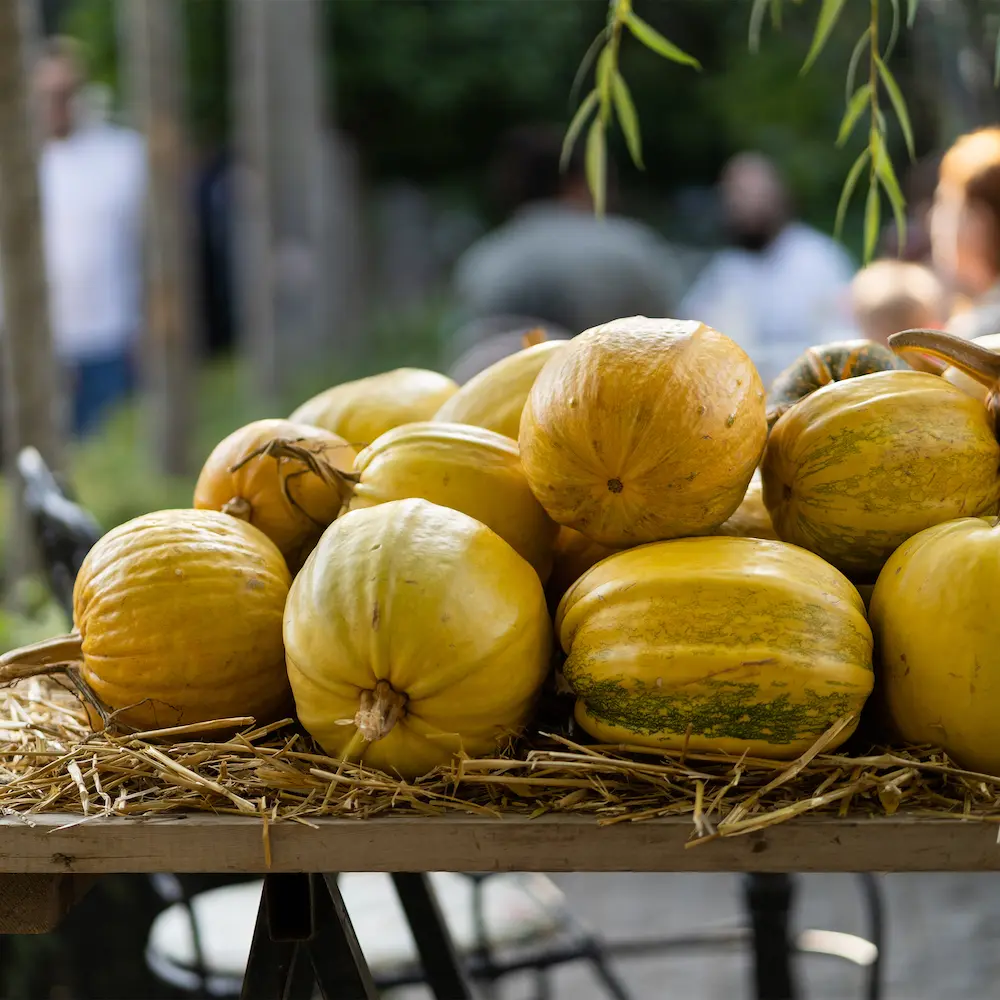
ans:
(781, 286)
(213, 212)
(892, 295)
(965, 231)
(553, 259)
(92, 179)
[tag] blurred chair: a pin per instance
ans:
(64, 532)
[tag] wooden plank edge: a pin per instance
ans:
(202, 843)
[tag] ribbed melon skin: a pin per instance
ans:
(733, 645)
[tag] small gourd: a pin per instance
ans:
(252, 476)
(826, 363)
(971, 365)
(573, 554)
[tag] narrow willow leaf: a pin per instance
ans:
(652, 39)
(898, 103)
(627, 118)
(911, 12)
(583, 112)
(585, 63)
(828, 16)
(597, 161)
(890, 46)
(852, 66)
(776, 14)
(855, 108)
(996, 64)
(757, 12)
(873, 218)
(884, 169)
(850, 183)
(887, 177)
(605, 72)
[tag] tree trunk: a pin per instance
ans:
(30, 378)
(294, 303)
(154, 54)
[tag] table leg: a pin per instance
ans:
(303, 938)
(442, 970)
(769, 901)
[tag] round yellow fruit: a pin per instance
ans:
(935, 613)
(643, 429)
(731, 645)
(495, 397)
(414, 633)
(467, 468)
(178, 618)
(751, 519)
(361, 410)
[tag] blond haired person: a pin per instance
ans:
(893, 295)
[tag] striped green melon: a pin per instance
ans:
(857, 467)
(736, 645)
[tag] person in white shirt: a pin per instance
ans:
(782, 286)
(92, 179)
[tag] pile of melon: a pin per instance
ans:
(404, 562)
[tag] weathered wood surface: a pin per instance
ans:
(35, 904)
(201, 843)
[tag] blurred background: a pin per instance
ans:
(246, 202)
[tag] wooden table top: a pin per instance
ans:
(206, 843)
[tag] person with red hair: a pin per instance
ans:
(965, 230)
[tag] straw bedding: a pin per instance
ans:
(51, 761)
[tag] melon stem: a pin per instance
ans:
(380, 710)
(238, 507)
(976, 361)
(46, 657)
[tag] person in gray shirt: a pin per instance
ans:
(553, 259)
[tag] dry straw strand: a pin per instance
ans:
(50, 761)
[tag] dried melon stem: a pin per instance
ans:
(60, 655)
(238, 507)
(293, 450)
(976, 361)
(380, 710)
(533, 337)
(50, 656)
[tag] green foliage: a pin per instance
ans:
(882, 174)
(612, 96)
(206, 51)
